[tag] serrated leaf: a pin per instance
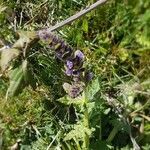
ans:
(25, 41)
(25, 37)
(92, 89)
(7, 56)
(17, 78)
(79, 132)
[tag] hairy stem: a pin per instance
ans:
(77, 16)
(86, 122)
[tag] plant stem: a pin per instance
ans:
(77, 143)
(86, 123)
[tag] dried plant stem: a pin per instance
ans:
(77, 16)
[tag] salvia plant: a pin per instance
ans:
(14, 63)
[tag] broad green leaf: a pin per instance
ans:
(25, 41)
(79, 132)
(7, 56)
(92, 89)
(16, 80)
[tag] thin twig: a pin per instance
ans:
(76, 16)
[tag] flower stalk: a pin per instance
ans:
(86, 122)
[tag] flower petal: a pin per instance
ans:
(79, 55)
(69, 64)
(69, 72)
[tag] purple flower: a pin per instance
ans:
(69, 64)
(73, 72)
(69, 72)
(78, 54)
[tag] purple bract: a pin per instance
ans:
(79, 55)
(69, 72)
(69, 64)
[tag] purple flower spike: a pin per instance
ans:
(69, 64)
(69, 72)
(79, 55)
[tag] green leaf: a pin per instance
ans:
(92, 89)
(7, 56)
(16, 80)
(68, 100)
(25, 37)
(79, 132)
(85, 25)
(28, 75)
(25, 41)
